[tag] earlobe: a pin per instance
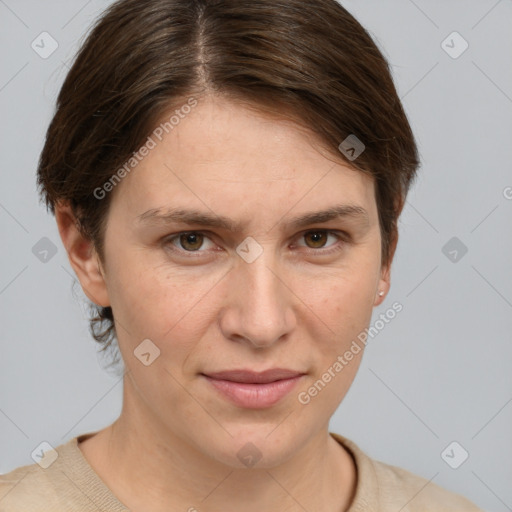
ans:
(383, 287)
(384, 283)
(82, 256)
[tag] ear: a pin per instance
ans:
(384, 283)
(82, 256)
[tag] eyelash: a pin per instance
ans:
(342, 237)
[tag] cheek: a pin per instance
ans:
(338, 312)
(346, 294)
(159, 303)
(342, 303)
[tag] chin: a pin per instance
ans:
(256, 446)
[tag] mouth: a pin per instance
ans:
(254, 390)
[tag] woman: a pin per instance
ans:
(227, 179)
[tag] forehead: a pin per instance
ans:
(227, 158)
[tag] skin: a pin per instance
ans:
(297, 306)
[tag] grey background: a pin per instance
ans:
(439, 372)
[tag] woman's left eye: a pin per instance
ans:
(318, 239)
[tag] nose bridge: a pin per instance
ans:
(261, 283)
(260, 309)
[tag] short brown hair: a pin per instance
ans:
(308, 59)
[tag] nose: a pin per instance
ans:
(259, 304)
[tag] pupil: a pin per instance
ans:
(191, 241)
(317, 238)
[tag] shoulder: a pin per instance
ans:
(61, 480)
(399, 486)
(384, 487)
(28, 488)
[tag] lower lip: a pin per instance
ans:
(254, 396)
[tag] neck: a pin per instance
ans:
(147, 467)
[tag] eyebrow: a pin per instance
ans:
(158, 216)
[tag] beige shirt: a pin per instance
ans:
(70, 484)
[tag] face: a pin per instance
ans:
(237, 244)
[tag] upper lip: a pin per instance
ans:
(250, 377)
